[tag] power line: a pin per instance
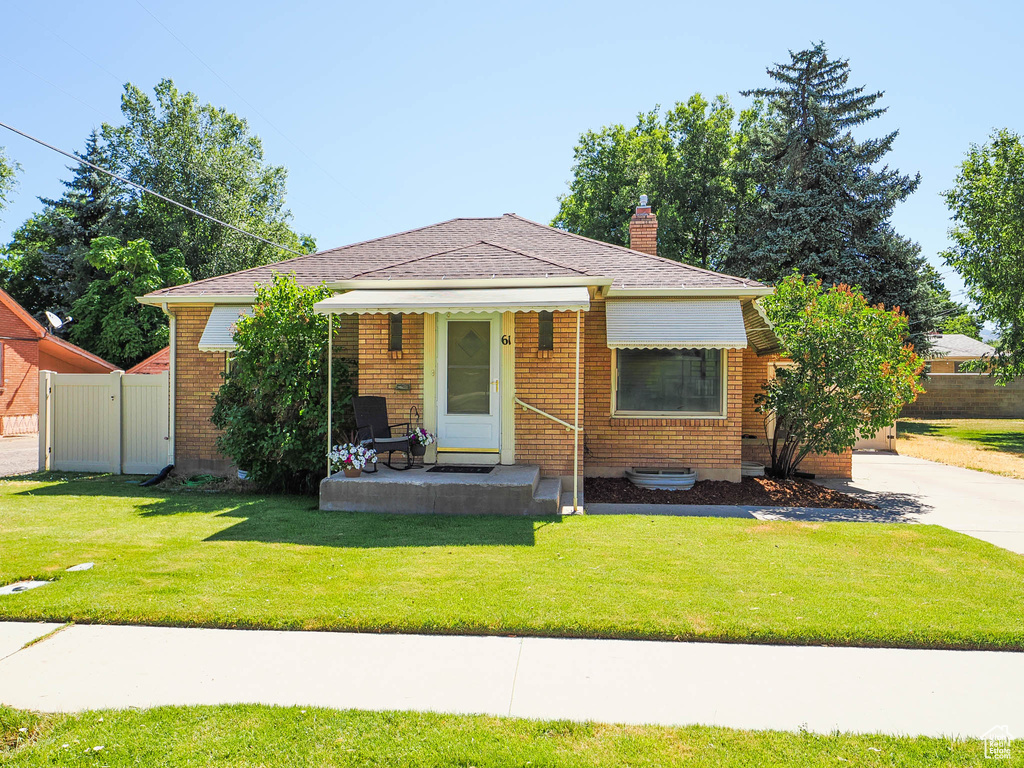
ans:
(77, 50)
(147, 190)
(246, 101)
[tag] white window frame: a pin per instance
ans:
(722, 413)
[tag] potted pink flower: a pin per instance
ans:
(351, 458)
(419, 439)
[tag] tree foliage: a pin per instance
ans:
(681, 162)
(273, 403)
(8, 172)
(821, 204)
(987, 206)
(205, 157)
(107, 316)
(852, 370)
(199, 154)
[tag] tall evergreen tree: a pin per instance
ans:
(822, 203)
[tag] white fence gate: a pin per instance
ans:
(103, 422)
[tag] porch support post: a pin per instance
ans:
(576, 425)
(330, 383)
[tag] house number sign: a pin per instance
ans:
(506, 340)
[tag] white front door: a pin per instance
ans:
(468, 406)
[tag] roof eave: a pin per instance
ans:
(473, 282)
(156, 300)
(739, 291)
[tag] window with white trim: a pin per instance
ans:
(672, 382)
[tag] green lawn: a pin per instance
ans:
(273, 736)
(221, 560)
(989, 445)
(1006, 435)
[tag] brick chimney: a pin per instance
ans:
(643, 229)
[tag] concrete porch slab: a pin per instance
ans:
(505, 490)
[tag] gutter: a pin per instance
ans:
(172, 387)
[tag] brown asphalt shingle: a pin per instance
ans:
(505, 246)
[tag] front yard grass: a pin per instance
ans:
(249, 735)
(235, 560)
(988, 445)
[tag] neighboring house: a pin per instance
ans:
(954, 391)
(158, 362)
(26, 348)
(476, 325)
(951, 351)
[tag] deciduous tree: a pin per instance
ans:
(206, 157)
(852, 370)
(681, 162)
(987, 206)
(107, 316)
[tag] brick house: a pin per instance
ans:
(503, 334)
(26, 348)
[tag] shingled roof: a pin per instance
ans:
(507, 246)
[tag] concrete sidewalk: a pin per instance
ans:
(743, 686)
(985, 506)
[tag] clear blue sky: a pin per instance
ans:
(422, 113)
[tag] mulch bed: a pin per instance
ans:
(755, 491)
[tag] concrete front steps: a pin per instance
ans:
(505, 490)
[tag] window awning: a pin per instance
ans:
(219, 334)
(675, 324)
(416, 301)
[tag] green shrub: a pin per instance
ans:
(273, 403)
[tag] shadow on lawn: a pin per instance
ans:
(263, 521)
(298, 520)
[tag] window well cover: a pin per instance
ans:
(675, 324)
(219, 334)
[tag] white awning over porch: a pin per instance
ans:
(420, 301)
(219, 333)
(675, 324)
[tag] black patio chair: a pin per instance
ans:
(373, 430)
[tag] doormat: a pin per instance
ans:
(455, 469)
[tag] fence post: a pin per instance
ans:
(45, 421)
(114, 421)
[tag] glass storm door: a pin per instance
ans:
(468, 352)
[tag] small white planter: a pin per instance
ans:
(677, 479)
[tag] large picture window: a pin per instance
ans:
(669, 381)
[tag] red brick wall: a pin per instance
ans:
(643, 232)
(546, 380)
(709, 445)
(19, 390)
(380, 370)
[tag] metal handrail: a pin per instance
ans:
(565, 424)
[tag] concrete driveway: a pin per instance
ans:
(987, 507)
(19, 455)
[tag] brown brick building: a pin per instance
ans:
(517, 343)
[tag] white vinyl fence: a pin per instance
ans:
(103, 422)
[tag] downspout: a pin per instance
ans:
(576, 425)
(172, 383)
(330, 383)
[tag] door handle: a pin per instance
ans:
(495, 383)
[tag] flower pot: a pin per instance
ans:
(417, 449)
(243, 474)
(352, 472)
